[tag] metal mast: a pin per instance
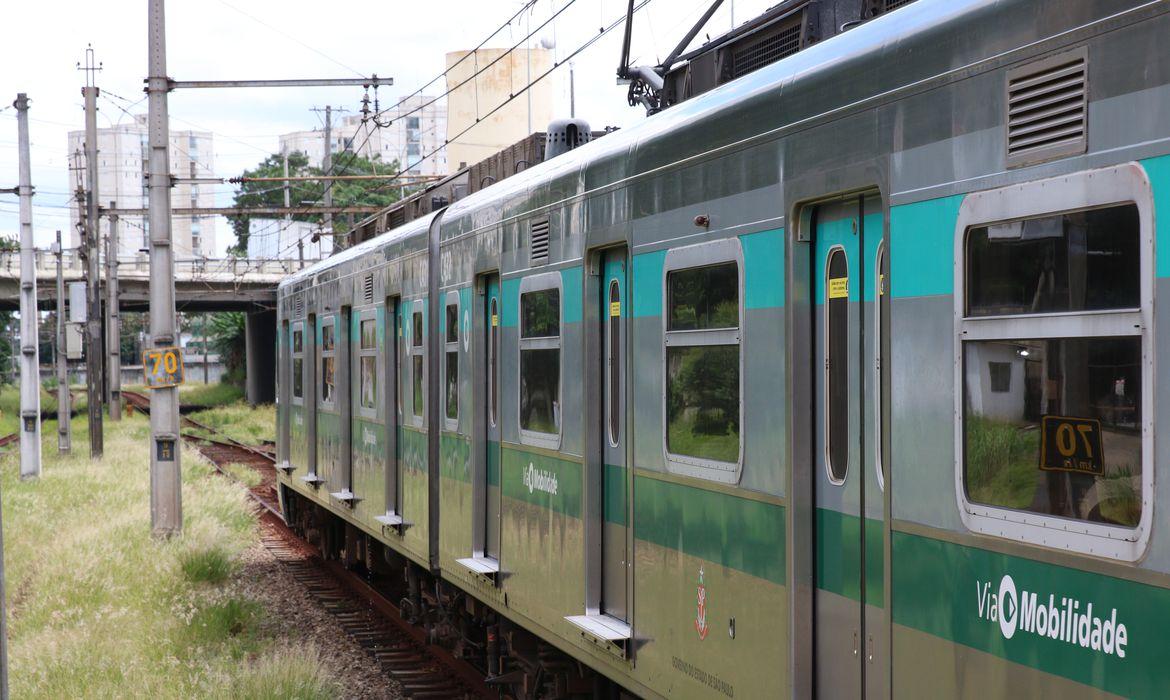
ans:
(93, 325)
(113, 323)
(166, 503)
(64, 409)
(30, 365)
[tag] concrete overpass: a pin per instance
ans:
(229, 284)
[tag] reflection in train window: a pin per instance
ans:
(298, 365)
(368, 368)
(452, 365)
(328, 356)
(1080, 261)
(836, 309)
(703, 363)
(416, 364)
(1058, 430)
(540, 361)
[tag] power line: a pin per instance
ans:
(293, 38)
(602, 32)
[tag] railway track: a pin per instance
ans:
(423, 670)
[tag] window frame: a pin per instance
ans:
(1120, 185)
(879, 336)
(614, 365)
(329, 321)
(727, 250)
(361, 317)
(451, 346)
(538, 283)
(418, 306)
(826, 377)
(298, 327)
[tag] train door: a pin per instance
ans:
(492, 485)
(310, 395)
(615, 480)
(849, 520)
(392, 341)
(343, 401)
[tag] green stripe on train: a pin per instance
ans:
(922, 242)
(1158, 170)
(948, 589)
(839, 559)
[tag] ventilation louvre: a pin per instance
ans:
(1047, 105)
(299, 305)
(752, 57)
(895, 4)
(538, 244)
(368, 289)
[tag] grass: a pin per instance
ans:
(10, 404)
(248, 425)
(99, 608)
(244, 474)
(209, 395)
(1001, 463)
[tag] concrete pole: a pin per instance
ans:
(203, 326)
(30, 364)
(64, 409)
(301, 253)
(93, 322)
(327, 165)
(166, 501)
(113, 322)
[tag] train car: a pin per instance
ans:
(840, 379)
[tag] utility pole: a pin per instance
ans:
(113, 323)
(64, 409)
(301, 252)
(93, 324)
(203, 327)
(166, 500)
(30, 365)
(327, 166)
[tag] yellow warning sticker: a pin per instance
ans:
(881, 285)
(615, 308)
(838, 287)
(495, 320)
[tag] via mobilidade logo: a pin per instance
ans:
(1065, 619)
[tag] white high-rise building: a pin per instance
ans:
(123, 155)
(415, 129)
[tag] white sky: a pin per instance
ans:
(43, 41)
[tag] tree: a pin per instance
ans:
(227, 337)
(345, 192)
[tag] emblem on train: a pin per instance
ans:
(1060, 618)
(701, 607)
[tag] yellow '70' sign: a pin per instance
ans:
(162, 367)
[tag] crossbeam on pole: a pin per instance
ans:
(243, 211)
(372, 81)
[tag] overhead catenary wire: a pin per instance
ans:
(605, 29)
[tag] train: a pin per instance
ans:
(841, 380)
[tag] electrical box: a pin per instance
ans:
(77, 302)
(73, 336)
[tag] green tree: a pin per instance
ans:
(345, 192)
(226, 334)
(6, 328)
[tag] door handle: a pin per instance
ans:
(869, 648)
(855, 649)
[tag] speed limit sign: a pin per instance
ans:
(162, 367)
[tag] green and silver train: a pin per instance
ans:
(842, 379)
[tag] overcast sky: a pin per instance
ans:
(222, 39)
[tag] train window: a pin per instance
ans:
(368, 367)
(416, 364)
(540, 356)
(615, 358)
(836, 309)
(493, 361)
(452, 357)
(328, 362)
(1055, 362)
(298, 362)
(703, 359)
(1078, 261)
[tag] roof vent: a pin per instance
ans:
(564, 135)
(1047, 102)
(538, 245)
(368, 289)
